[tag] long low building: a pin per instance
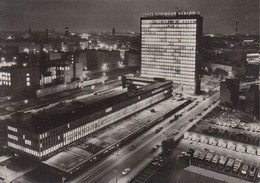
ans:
(46, 133)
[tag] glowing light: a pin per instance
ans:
(104, 66)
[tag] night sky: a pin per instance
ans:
(102, 15)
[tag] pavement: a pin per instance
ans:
(214, 175)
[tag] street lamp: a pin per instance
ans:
(116, 174)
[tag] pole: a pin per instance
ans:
(5, 173)
(116, 174)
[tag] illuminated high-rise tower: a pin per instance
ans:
(171, 44)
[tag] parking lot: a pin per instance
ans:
(218, 123)
(221, 160)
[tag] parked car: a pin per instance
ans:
(237, 165)
(222, 162)
(175, 132)
(230, 164)
(258, 174)
(244, 169)
(252, 171)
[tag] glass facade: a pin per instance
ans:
(169, 49)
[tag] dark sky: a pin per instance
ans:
(124, 15)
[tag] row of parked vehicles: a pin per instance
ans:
(226, 163)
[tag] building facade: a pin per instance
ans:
(229, 92)
(19, 80)
(44, 135)
(171, 47)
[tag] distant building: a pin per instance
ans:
(229, 92)
(19, 80)
(132, 58)
(66, 34)
(108, 59)
(252, 100)
(171, 45)
(113, 32)
(47, 132)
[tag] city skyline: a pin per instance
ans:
(87, 16)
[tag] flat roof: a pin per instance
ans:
(62, 114)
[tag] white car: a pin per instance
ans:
(126, 171)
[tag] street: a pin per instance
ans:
(109, 170)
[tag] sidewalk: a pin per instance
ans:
(214, 175)
(5, 157)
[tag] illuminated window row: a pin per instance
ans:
(168, 57)
(187, 26)
(175, 48)
(179, 30)
(170, 33)
(144, 58)
(168, 50)
(28, 142)
(167, 36)
(13, 137)
(168, 66)
(12, 129)
(173, 77)
(186, 21)
(24, 149)
(185, 71)
(168, 54)
(177, 41)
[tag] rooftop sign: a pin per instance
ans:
(179, 13)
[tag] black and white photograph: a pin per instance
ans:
(129, 91)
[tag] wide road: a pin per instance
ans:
(110, 169)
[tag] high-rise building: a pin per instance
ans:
(171, 45)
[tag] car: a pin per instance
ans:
(175, 132)
(132, 147)
(237, 165)
(244, 169)
(126, 171)
(252, 171)
(190, 120)
(156, 164)
(152, 110)
(158, 129)
(153, 149)
(159, 159)
(230, 164)
(258, 174)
